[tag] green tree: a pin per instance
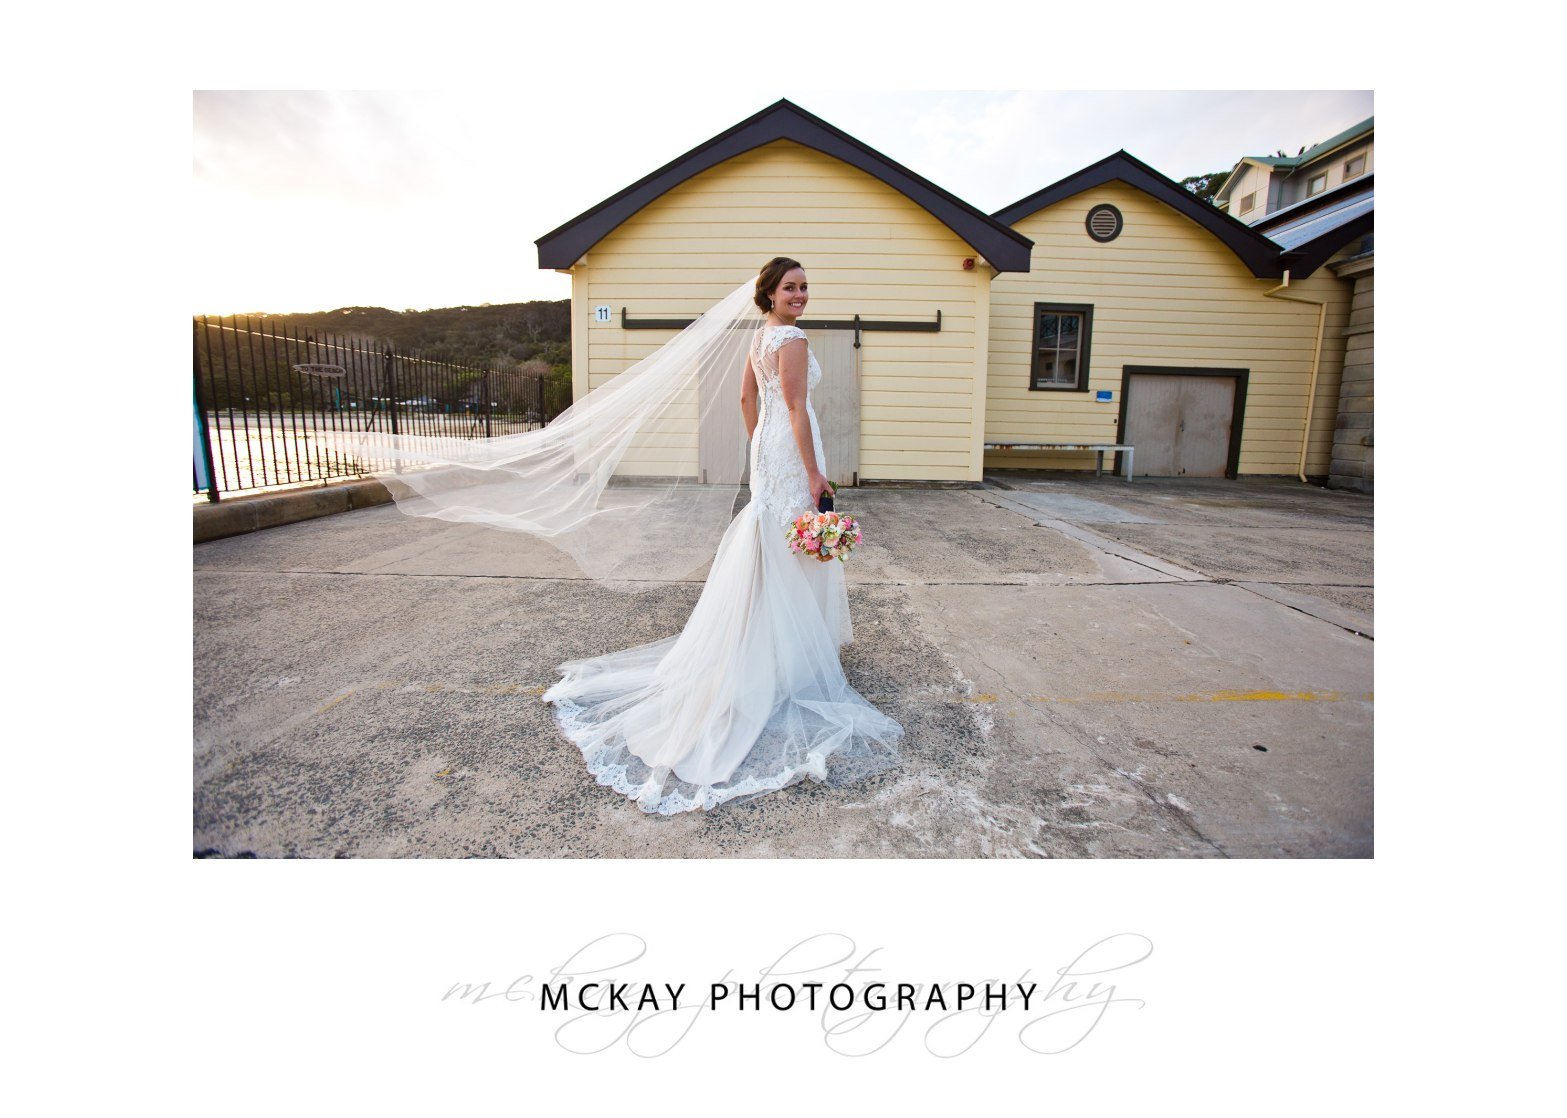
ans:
(1206, 186)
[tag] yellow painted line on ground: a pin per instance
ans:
(984, 697)
(1212, 697)
(334, 702)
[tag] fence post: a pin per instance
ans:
(201, 421)
(487, 399)
(391, 385)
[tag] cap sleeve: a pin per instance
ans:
(782, 334)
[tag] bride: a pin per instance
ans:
(750, 696)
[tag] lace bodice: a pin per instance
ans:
(778, 478)
(764, 355)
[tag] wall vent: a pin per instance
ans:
(1104, 222)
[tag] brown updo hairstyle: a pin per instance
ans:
(770, 277)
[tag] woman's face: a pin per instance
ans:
(790, 296)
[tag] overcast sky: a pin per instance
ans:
(431, 199)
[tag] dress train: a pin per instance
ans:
(750, 697)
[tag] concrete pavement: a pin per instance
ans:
(1084, 667)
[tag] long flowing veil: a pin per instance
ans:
(636, 481)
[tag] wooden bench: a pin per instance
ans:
(1099, 448)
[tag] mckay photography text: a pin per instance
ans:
(603, 996)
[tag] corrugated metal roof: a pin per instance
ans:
(1320, 221)
(1329, 144)
(1332, 196)
(1315, 149)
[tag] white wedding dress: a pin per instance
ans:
(750, 696)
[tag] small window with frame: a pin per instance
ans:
(1317, 184)
(1060, 354)
(1355, 167)
(1248, 202)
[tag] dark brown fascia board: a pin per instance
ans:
(1004, 248)
(1257, 252)
(1310, 256)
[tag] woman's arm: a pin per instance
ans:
(792, 366)
(748, 398)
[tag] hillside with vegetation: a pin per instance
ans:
(533, 338)
(474, 336)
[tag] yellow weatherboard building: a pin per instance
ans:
(1112, 307)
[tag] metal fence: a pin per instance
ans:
(276, 407)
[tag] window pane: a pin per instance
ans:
(1057, 367)
(1058, 348)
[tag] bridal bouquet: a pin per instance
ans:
(826, 535)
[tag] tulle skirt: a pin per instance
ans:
(748, 698)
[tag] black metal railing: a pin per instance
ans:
(277, 407)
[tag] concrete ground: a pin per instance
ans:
(1084, 667)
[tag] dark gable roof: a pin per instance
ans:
(1005, 248)
(1255, 251)
(1315, 228)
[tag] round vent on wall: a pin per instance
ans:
(1104, 222)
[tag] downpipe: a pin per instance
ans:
(1316, 363)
